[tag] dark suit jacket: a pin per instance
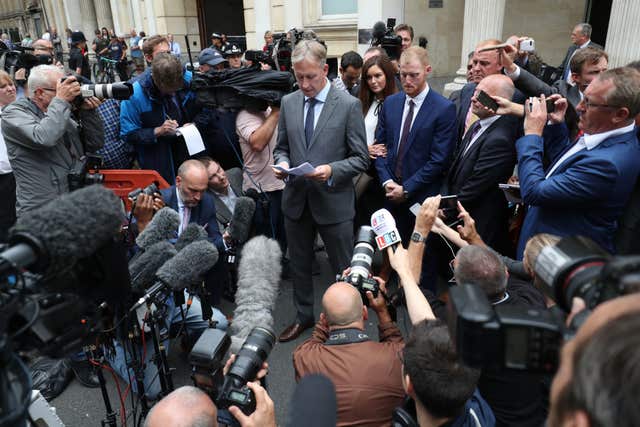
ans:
(223, 214)
(567, 58)
(585, 195)
(475, 176)
(430, 144)
(339, 140)
(204, 214)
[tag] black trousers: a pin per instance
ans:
(8, 205)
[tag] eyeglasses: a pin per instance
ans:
(588, 104)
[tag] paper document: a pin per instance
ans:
(303, 169)
(511, 192)
(192, 137)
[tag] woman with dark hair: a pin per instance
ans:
(378, 82)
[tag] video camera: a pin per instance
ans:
(20, 57)
(361, 262)
(230, 389)
(386, 38)
(509, 337)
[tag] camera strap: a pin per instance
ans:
(347, 336)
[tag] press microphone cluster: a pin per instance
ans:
(50, 239)
(163, 226)
(242, 219)
(186, 267)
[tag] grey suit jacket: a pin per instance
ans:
(530, 85)
(223, 214)
(339, 140)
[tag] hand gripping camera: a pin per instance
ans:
(230, 389)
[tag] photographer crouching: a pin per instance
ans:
(46, 142)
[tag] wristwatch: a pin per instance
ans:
(417, 237)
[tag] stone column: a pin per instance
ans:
(104, 17)
(74, 16)
(624, 33)
(483, 20)
(151, 18)
(88, 23)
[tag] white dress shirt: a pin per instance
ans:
(484, 124)
(320, 98)
(417, 101)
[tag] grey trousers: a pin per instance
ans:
(338, 240)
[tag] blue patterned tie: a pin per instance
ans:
(308, 123)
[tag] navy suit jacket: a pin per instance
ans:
(204, 214)
(430, 144)
(585, 195)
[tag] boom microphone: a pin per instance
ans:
(242, 220)
(188, 266)
(191, 233)
(143, 268)
(384, 225)
(163, 226)
(379, 30)
(73, 226)
(258, 280)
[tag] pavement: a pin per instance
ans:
(80, 406)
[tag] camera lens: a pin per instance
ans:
(253, 353)
(363, 252)
(121, 91)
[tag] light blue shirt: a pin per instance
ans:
(321, 98)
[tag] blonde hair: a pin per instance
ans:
(415, 52)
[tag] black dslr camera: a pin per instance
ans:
(508, 337)
(386, 38)
(231, 389)
(149, 190)
(86, 172)
(502, 337)
(361, 264)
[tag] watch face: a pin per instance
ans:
(416, 237)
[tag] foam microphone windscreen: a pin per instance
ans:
(144, 266)
(73, 226)
(163, 226)
(189, 265)
(259, 273)
(242, 219)
(314, 403)
(379, 29)
(191, 233)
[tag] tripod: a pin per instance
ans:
(110, 417)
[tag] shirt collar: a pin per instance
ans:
(322, 95)
(419, 98)
(592, 141)
(180, 204)
(585, 44)
(486, 122)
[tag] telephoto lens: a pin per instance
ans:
(363, 252)
(121, 91)
(249, 360)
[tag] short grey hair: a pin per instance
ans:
(585, 29)
(309, 49)
(188, 396)
(482, 267)
(40, 76)
(626, 89)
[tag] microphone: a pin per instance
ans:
(258, 280)
(191, 233)
(186, 267)
(384, 225)
(242, 220)
(379, 30)
(49, 239)
(314, 401)
(163, 226)
(144, 266)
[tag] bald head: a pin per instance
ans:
(186, 406)
(342, 305)
(493, 85)
(192, 181)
